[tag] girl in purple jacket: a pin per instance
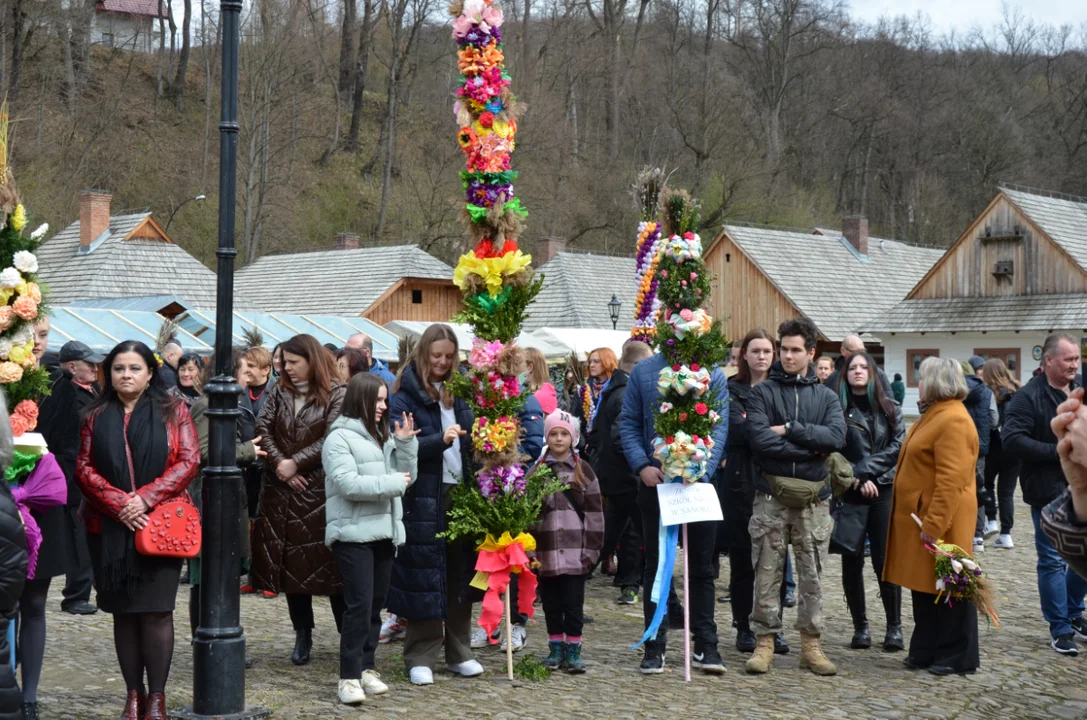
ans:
(569, 536)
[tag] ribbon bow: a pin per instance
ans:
(497, 559)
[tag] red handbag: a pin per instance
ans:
(172, 530)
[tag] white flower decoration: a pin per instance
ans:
(42, 230)
(10, 278)
(23, 335)
(5, 347)
(25, 261)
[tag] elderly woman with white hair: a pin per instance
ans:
(934, 480)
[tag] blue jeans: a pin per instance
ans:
(1060, 588)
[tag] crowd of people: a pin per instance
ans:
(348, 469)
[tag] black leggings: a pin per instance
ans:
(32, 635)
(144, 642)
(879, 518)
(1001, 474)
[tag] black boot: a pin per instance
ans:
(892, 606)
(854, 597)
(745, 640)
(303, 642)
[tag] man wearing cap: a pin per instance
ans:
(74, 386)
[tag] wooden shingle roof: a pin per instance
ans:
(1063, 219)
(334, 282)
(577, 289)
(826, 279)
(982, 314)
(120, 266)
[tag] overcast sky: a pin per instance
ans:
(964, 14)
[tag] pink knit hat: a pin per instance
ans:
(564, 420)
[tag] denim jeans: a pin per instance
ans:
(1061, 588)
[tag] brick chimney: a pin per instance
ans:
(855, 230)
(550, 247)
(93, 216)
(345, 241)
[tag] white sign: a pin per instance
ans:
(688, 503)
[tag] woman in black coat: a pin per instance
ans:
(13, 569)
(430, 575)
(875, 430)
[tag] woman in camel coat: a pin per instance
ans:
(935, 481)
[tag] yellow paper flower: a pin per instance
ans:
(21, 288)
(5, 297)
(18, 218)
(17, 354)
(491, 270)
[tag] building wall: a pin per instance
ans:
(743, 298)
(127, 32)
(959, 346)
(438, 301)
(1040, 267)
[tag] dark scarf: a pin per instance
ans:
(147, 441)
(188, 392)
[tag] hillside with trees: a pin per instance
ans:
(784, 112)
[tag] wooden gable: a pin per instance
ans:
(416, 299)
(743, 297)
(1002, 253)
(148, 229)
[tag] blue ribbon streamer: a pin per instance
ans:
(668, 542)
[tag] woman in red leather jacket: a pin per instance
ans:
(138, 449)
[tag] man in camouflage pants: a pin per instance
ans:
(793, 423)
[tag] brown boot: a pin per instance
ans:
(156, 707)
(812, 657)
(763, 656)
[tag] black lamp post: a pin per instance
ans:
(613, 309)
(219, 647)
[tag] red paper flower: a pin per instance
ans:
(670, 439)
(486, 119)
(683, 417)
(696, 367)
(701, 408)
(675, 368)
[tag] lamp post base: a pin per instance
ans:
(250, 713)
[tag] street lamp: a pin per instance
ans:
(613, 309)
(198, 198)
(219, 645)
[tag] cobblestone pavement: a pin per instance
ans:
(1020, 677)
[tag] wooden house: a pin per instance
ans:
(381, 284)
(121, 256)
(764, 276)
(129, 24)
(1017, 273)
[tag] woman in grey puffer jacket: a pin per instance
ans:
(366, 474)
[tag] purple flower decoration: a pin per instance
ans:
(502, 481)
(484, 194)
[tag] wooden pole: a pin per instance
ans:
(686, 609)
(509, 635)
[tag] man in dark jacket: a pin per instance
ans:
(793, 423)
(853, 344)
(1028, 437)
(636, 431)
(617, 483)
(74, 387)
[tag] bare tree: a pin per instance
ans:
(177, 89)
(362, 64)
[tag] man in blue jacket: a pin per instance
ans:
(362, 341)
(636, 432)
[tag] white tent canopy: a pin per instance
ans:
(555, 343)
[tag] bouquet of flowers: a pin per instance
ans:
(22, 302)
(959, 576)
(495, 504)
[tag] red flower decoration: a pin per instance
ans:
(688, 235)
(27, 409)
(694, 438)
(486, 119)
(670, 439)
(675, 368)
(701, 408)
(696, 367)
(683, 417)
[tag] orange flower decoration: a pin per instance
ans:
(466, 138)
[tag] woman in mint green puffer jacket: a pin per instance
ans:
(366, 475)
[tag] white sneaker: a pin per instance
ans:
(520, 635)
(1004, 540)
(371, 683)
(979, 545)
(392, 629)
(351, 692)
(468, 668)
(992, 527)
(480, 640)
(421, 676)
